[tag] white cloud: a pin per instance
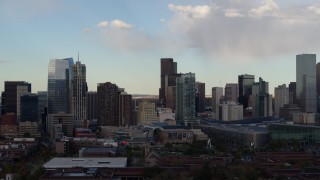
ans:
(191, 11)
(103, 24)
(277, 31)
(120, 24)
(162, 20)
(315, 9)
(268, 7)
(232, 13)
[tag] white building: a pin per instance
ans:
(230, 112)
(217, 93)
(281, 97)
(165, 113)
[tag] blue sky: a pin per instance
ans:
(122, 41)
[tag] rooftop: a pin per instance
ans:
(59, 162)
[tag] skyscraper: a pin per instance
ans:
(29, 107)
(281, 97)
(168, 80)
(245, 89)
(92, 105)
(59, 85)
(292, 93)
(231, 92)
(12, 92)
(79, 90)
(200, 96)
(217, 93)
(262, 100)
(185, 99)
(108, 104)
(318, 79)
(306, 82)
(125, 109)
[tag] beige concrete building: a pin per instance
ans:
(147, 113)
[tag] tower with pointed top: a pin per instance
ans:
(79, 90)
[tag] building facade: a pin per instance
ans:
(185, 99)
(147, 113)
(230, 112)
(12, 92)
(245, 83)
(29, 107)
(306, 82)
(200, 97)
(125, 109)
(281, 97)
(92, 105)
(59, 85)
(231, 92)
(262, 100)
(217, 93)
(168, 70)
(108, 104)
(79, 90)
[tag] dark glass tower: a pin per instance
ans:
(29, 107)
(245, 83)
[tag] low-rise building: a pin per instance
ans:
(71, 162)
(30, 128)
(304, 118)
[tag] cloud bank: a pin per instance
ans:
(226, 30)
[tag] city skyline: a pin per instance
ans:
(240, 37)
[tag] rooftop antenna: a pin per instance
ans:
(78, 56)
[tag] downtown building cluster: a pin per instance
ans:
(67, 104)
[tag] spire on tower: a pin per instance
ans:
(78, 56)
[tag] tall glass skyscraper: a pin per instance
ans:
(59, 85)
(185, 99)
(306, 82)
(79, 90)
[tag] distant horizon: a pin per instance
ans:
(215, 39)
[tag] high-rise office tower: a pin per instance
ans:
(12, 92)
(79, 90)
(306, 82)
(168, 80)
(262, 100)
(108, 104)
(42, 103)
(217, 93)
(29, 107)
(59, 85)
(281, 97)
(125, 109)
(318, 79)
(200, 96)
(231, 92)
(92, 105)
(292, 93)
(1, 103)
(245, 89)
(185, 99)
